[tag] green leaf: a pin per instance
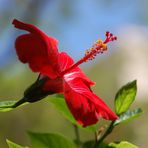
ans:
(6, 106)
(59, 103)
(125, 97)
(122, 144)
(50, 140)
(128, 116)
(91, 128)
(14, 145)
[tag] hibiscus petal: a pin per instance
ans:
(37, 49)
(65, 61)
(53, 85)
(85, 106)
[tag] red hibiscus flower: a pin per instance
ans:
(59, 74)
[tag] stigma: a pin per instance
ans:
(98, 47)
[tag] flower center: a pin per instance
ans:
(98, 47)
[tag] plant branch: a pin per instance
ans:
(78, 141)
(108, 131)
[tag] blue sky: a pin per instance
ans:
(88, 21)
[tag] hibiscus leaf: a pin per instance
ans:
(8, 105)
(128, 116)
(14, 145)
(125, 97)
(50, 140)
(122, 144)
(59, 103)
(91, 128)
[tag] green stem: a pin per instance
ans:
(108, 131)
(20, 102)
(78, 141)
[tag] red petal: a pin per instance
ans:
(53, 85)
(37, 49)
(85, 106)
(65, 61)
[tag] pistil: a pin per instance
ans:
(98, 47)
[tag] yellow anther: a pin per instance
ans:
(100, 42)
(104, 46)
